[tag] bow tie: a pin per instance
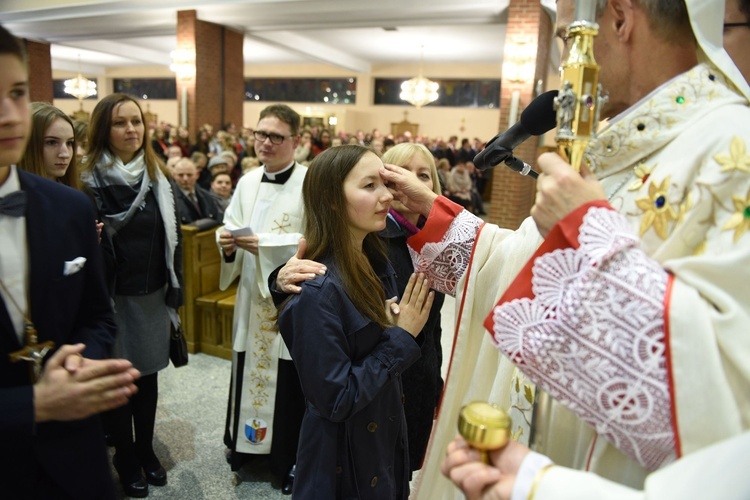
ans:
(13, 204)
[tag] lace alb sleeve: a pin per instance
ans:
(445, 262)
(593, 336)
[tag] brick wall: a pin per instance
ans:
(216, 93)
(513, 194)
(40, 71)
(234, 78)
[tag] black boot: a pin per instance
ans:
(144, 418)
(131, 479)
(119, 423)
(288, 485)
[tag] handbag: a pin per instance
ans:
(178, 351)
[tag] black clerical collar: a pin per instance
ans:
(278, 177)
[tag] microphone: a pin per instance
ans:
(538, 118)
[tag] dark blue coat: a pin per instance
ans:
(422, 382)
(353, 440)
(55, 459)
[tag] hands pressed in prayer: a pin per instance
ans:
(560, 190)
(414, 308)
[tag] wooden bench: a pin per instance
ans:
(201, 268)
(225, 309)
(212, 309)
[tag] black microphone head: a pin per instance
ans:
(540, 116)
(537, 119)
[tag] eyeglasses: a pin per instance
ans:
(275, 138)
(736, 25)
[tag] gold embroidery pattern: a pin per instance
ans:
(658, 211)
(740, 219)
(262, 343)
(522, 404)
(737, 159)
(283, 226)
(642, 172)
(634, 138)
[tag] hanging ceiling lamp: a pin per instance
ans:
(80, 87)
(419, 91)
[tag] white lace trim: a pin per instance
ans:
(593, 336)
(446, 261)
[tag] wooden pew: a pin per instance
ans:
(201, 268)
(216, 311)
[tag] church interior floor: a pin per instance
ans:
(190, 428)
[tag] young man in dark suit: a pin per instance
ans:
(53, 305)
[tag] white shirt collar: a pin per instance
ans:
(272, 175)
(11, 184)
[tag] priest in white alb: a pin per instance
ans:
(260, 232)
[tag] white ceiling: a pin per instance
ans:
(344, 33)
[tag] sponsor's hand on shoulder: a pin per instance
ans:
(296, 270)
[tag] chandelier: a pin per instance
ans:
(419, 90)
(80, 87)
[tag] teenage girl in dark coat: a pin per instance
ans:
(348, 349)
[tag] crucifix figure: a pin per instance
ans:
(33, 352)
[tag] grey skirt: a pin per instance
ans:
(143, 331)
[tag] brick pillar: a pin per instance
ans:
(216, 91)
(528, 25)
(40, 71)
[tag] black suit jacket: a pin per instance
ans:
(55, 459)
(186, 210)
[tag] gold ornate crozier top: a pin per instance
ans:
(580, 95)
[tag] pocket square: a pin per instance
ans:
(73, 266)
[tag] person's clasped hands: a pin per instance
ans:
(72, 387)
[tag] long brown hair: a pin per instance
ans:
(326, 228)
(42, 116)
(99, 129)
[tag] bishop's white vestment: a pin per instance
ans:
(634, 315)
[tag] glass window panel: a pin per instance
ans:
(58, 90)
(147, 88)
(315, 90)
(453, 93)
